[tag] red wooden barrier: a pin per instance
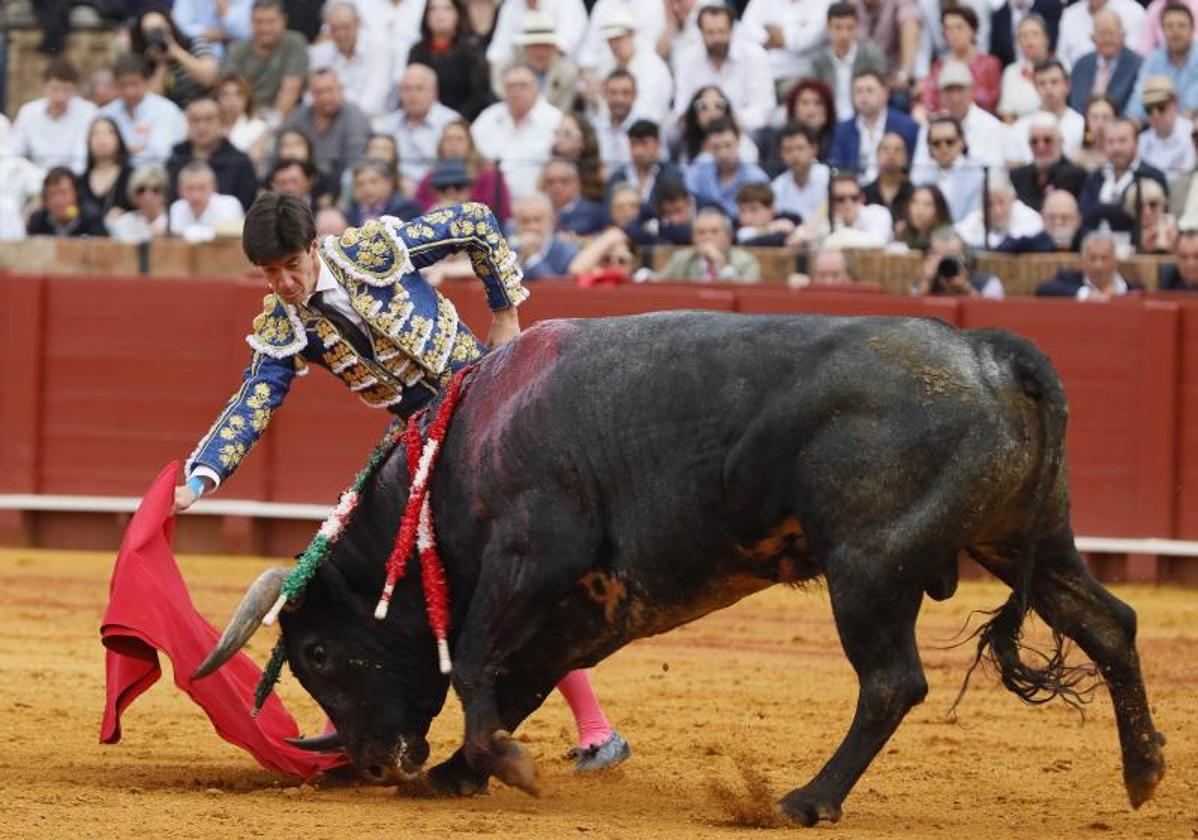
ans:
(1186, 499)
(103, 379)
(1118, 365)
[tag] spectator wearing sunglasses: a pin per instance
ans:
(1049, 169)
(855, 223)
(147, 193)
(950, 168)
(1166, 144)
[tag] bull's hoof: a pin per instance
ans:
(806, 808)
(454, 778)
(512, 764)
(1142, 777)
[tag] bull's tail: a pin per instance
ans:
(1042, 675)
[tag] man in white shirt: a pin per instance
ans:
(791, 31)
(988, 140)
(1009, 218)
(200, 214)
(855, 223)
(150, 124)
(52, 131)
(615, 117)
(569, 18)
(645, 21)
(362, 64)
(626, 50)
(395, 23)
(949, 167)
(418, 123)
(1077, 24)
(518, 132)
(1052, 84)
(681, 33)
(1166, 144)
(1098, 280)
(735, 65)
(803, 188)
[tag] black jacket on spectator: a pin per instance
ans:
(1062, 175)
(116, 196)
(463, 78)
(666, 171)
(1170, 280)
(1041, 243)
(898, 207)
(85, 224)
(1094, 213)
(1002, 34)
(234, 170)
(653, 232)
(1067, 281)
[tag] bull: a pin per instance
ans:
(607, 480)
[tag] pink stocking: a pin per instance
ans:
(593, 728)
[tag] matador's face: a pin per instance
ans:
(293, 278)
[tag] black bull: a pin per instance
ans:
(611, 479)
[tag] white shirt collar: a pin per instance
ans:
(325, 282)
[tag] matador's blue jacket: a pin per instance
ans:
(417, 338)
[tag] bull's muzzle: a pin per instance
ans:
(401, 764)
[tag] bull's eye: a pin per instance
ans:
(317, 655)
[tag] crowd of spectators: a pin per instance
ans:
(597, 127)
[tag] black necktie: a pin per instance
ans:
(350, 331)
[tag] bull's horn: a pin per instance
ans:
(321, 743)
(257, 602)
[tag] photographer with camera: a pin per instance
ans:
(950, 269)
(183, 69)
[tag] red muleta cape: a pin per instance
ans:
(149, 610)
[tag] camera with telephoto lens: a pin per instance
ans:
(155, 42)
(948, 268)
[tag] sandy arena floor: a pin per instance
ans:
(758, 695)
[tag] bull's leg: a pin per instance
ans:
(875, 616)
(1068, 597)
(517, 697)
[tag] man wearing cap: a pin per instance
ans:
(987, 138)
(1177, 60)
(451, 183)
(418, 123)
(645, 21)
(567, 17)
(625, 50)
(538, 47)
(1166, 143)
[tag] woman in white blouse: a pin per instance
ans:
(1017, 96)
(246, 131)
